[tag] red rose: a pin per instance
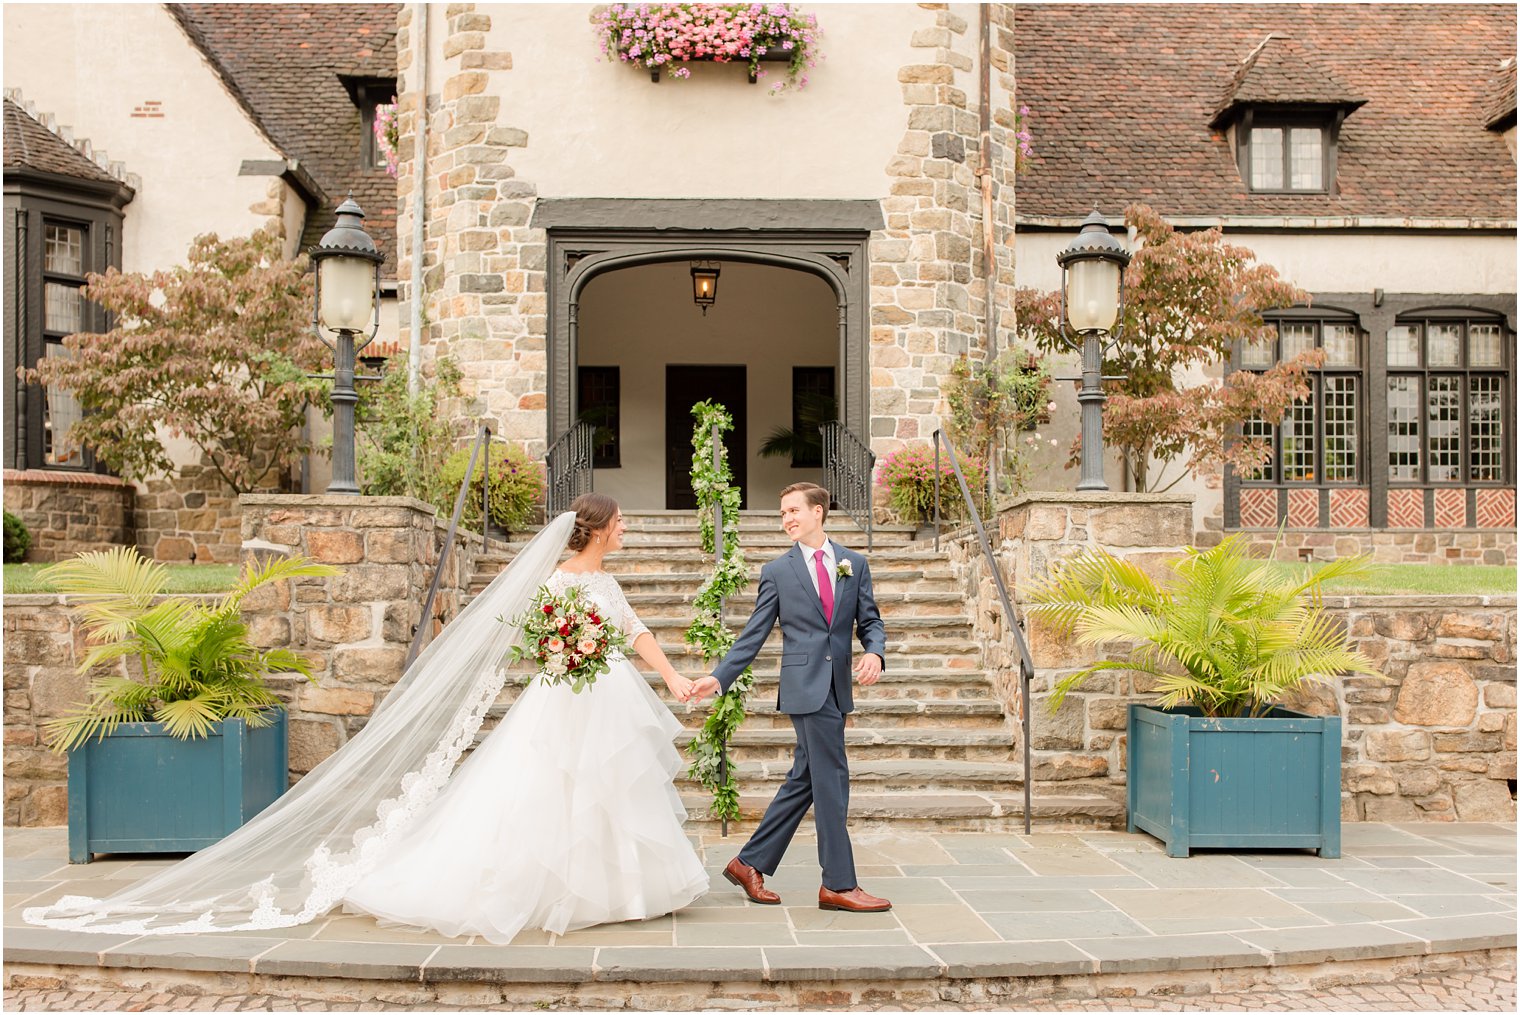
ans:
(548, 609)
(594, 618)
(564, 630)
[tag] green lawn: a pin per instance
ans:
(22, 578)
(1409, 579)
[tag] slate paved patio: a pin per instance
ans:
(966, 905)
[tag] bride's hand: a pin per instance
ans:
(679, 686)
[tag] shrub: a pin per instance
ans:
(517, 486)
(17, 539)
(403, 438)
(908, 476)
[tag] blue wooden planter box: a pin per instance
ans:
(1272, 782)
(142, 791)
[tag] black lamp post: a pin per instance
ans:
(1092, 319)
(347, 304)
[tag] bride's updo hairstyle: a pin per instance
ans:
(593, 512)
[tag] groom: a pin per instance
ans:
(821, 592)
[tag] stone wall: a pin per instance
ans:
(1435, 741)
(355, 629)
(69, 512)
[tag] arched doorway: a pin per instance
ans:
(589, 238)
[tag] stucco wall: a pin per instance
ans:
(92, 66)
(766, 319)
(611, 131)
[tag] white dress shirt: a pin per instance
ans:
(829, 563)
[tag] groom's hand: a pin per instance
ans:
(868, 669)
(704, 688)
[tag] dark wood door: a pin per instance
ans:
(685, 386)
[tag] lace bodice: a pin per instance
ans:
(603, 590)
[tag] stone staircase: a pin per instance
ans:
(929, 743)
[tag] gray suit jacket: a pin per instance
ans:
(814, 654)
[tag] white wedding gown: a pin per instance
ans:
(566, 816)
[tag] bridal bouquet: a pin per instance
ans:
(568, 639)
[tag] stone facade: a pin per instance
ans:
(355, 628)
(485, 278)
(43, 646)
(929, 267)
(193, 511)
(1435, 741)
(69, 512)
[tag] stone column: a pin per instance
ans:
(355, 628)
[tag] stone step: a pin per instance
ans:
(906, 603)
(915, 684)
(922, 743)
(647, 559)
(890, 775)
(894, 582)
(939, 810)
(871, 713)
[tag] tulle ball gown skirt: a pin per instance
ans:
(565, 817)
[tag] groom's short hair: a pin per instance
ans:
(816, 495)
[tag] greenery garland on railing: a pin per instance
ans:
(712, 486)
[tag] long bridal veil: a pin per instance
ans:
(299, 857)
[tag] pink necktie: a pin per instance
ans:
(825, 591)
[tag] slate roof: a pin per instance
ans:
(30, 145)
(286, 64)
(1499, 109)
(1121, 97)
(1278, 71)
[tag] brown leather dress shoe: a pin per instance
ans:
(752, 881)
(856, 900)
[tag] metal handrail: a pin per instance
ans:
(570, 470)
(482, 444)
(848, 465)
(1026, 663)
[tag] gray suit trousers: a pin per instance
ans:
(820, 778)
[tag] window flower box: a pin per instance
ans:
(671, 36)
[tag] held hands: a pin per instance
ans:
(680, 687)
(703, 688)
(868, 669)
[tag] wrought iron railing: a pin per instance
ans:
(569, 463)
(848, 465)
(481, 451)
(1026, 664)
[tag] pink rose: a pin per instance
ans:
(586, 646)
(556, 645)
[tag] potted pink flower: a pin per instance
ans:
(657, 36)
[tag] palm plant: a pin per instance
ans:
(198, 666)
(1227, 634)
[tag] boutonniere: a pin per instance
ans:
(844, 570)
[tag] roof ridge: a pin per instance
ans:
(115, 168)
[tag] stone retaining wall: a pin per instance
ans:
(70, 512)
(1435, 741)
(1387, 546)
(354, 628)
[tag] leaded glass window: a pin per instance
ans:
(1320, 438)
(1286, 157)
(1448, 394)
(63, 314)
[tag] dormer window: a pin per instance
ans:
(1285, 114)
(1286, 154)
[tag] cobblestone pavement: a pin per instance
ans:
(1458, 991)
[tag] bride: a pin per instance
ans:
(566, 816)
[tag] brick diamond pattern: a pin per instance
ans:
(1303, 509)
(1406, 509)
(1496, 509)
(1258, 509)
(1348, 509)
(1451, 509)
